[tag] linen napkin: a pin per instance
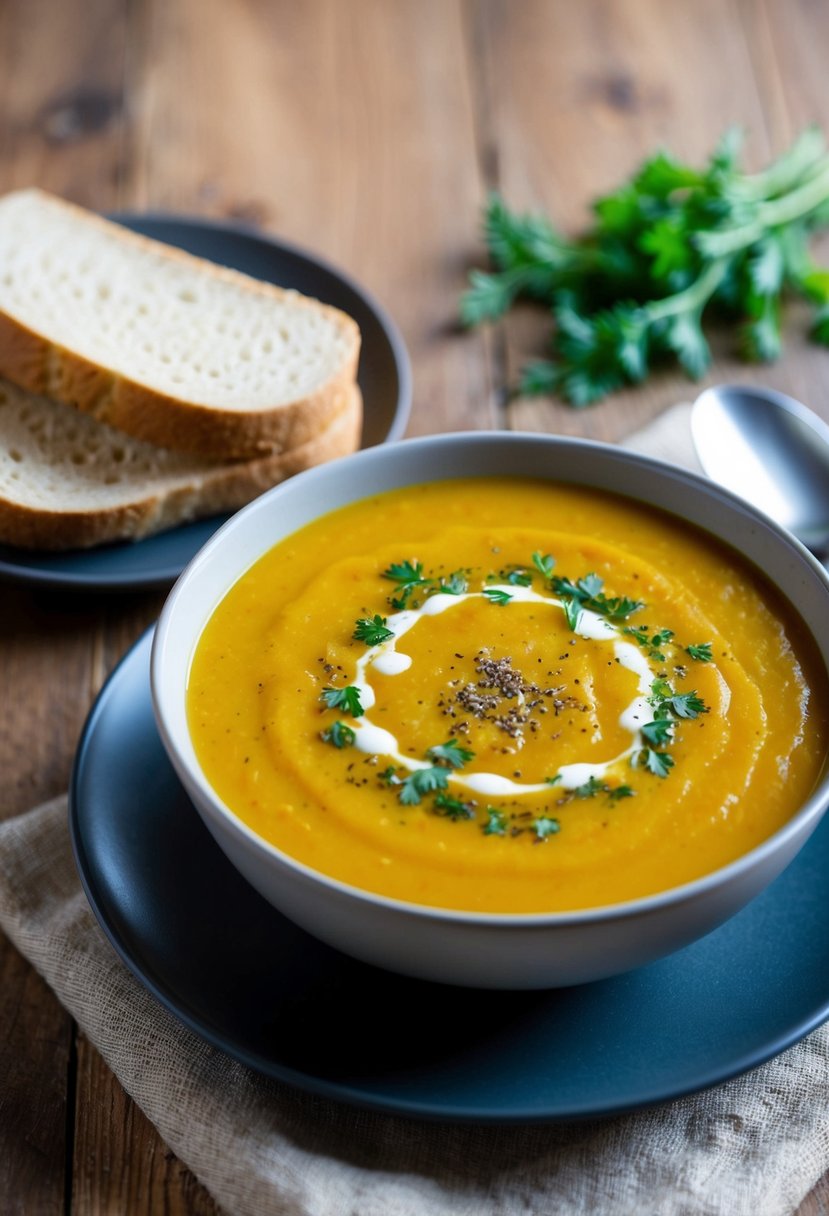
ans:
(752, 1147)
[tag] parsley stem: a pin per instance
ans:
(806, 155)
(693, 298)
(769, 214)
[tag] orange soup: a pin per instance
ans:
(507, 696)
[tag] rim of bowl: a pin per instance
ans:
(814, 806)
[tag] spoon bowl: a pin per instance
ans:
(771, 450)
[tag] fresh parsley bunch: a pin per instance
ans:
(662, 248)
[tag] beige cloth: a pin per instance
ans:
(752, 1147)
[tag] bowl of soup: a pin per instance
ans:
(500, 710)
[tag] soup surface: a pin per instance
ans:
(507, 696)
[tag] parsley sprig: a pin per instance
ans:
(412, 582)
(651, 643)
(372, 630)
(668, 707)
(662, 249)
(347, 698)
(544, 563)
(422, 781)
(450, 753)
(587, 593)
(683, 705)
(339, 735)
(496, 596)
(409, 578)
(592, 786)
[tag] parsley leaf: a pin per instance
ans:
(702, 652)
(545, 827)
(517, 576)
(496, 596)
(347, 698)
(590, 789)
(688, 705)
(451, 753)
(496, 824)
(651, 642)
(452, 808)
(372, 630)
(544, 563)
(588, 592)
(658, 763)
(339, 735)
(422, 781)
(409, 577)
(593, 786)
(572, 611)
(660, 731)
(660, 690)
(454, 584)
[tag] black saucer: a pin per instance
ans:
(246, 979)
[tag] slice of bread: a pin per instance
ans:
(67, 481)
(167, 347)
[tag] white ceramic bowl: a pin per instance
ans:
(479, 949)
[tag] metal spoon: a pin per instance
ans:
(771, 450)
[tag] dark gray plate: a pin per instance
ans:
(246, 979)
(384, 378)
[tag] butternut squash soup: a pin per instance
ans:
(507, 696)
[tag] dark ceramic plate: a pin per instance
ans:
(384, 378)
(249, 981)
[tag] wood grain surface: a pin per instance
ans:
(370, 131)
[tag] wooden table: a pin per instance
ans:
(370, 131)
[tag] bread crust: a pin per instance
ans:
(32, 361)
(219, 489)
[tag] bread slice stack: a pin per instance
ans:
(141, 386)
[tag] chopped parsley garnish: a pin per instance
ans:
(658, 763)
(544, 827)
(658, 732)
(553, 780)
(389, 775)
(588, 592)
(347, 698)
(496, 823)
(660, 692)
(590, 788)
(339, 735)
(451, 753)
(593, 786)
(452, 808)
(702, 652)
(496, 596)
(409, 577)
(615, 608)
(687, 705)
(667, 705)
(544, 563)
(422, 781)
(651, 642)
(454, 584)
(517, 576)
(372, 630)
(572, 611)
